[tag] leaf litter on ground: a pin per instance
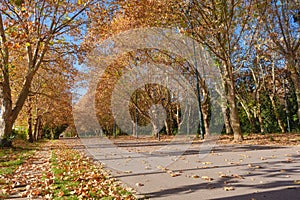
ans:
(59, 171)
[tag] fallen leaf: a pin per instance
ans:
(195, 176)
(297, 182)
(207, 178)
(139, 184)
(228, 188)
(223, 176)
(237, 176)
(60, 194)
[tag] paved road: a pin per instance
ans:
(227, 172)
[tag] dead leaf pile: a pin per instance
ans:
(62, 172)
(78, 176)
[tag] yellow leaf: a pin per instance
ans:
(228, 188)
(207, 178)
(206, 163)
(60, 194)
(297, 182)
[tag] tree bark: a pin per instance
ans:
(205, 107)
(230, 95)
(134, 133)
(275, 108)
(155, 130)
(35, 129)
(40, 127)
(248, 113)
(258, 112)
(6, 123)
(167, 127)
(225, 115)
(296, 81)
(178, 118)
(205, 112)
(29, 121)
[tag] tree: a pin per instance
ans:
(220, 26)
(282, 24)
(34, 28)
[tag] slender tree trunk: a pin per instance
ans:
(155, 130)
(205, 112)
(29, 121)
(272, 98)
(225, 116)
(134, 133)
(296, 81)
(2, 110)
(261, 123)
(167, 127)
(258, 112)
(205, 105)
(40, 127)
(178, 118)
(249, 114)
(35, 129)
(275, 108)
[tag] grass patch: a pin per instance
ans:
(11, 158)
(77, 177)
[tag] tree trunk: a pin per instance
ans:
(261, 123)
(40, 127)
(134, 132)
(258, 112)
(29, 121)
(272, 98)
(225, 116)
(167, 127)
(178, 118)
(230, 95)
(296, 81)
(248, 113)
(155, 130)
(205, 112)
(280, 122)
(234, 118)
(205, 106)
(6, 122)
(35, 130)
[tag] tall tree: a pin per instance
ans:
(282, 24)
(220, 26)
(35, 27)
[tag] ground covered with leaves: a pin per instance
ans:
(282, 139)
(285, 139)
(55, 171)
